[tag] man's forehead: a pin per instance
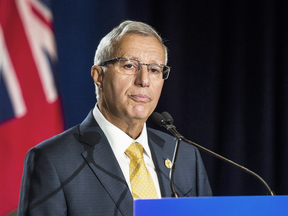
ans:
(153, 47)
(130, 37)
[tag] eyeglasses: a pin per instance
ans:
(132, 66)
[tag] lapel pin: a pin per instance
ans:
(168, 163)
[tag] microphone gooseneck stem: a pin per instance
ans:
(171, 176)
(178, 136)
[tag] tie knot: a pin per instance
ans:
(135, 151)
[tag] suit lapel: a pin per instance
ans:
(102, 161)
(159, 155)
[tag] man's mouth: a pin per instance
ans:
(140, 98)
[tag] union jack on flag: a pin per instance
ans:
(30, 109)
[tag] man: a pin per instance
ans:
(88, 169)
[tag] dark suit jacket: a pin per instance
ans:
(76, 173)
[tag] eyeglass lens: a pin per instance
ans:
(156, 71)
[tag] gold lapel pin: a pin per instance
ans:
(168, 163)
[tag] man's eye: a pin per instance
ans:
(129, 66)
(155, 70)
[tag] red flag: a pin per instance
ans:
(30, 110)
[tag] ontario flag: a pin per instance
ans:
(30, 109)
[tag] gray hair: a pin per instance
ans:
(106, 46)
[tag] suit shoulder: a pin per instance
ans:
(60, 140)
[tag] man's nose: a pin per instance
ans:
(143, 77)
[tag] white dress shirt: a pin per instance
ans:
(120, 141)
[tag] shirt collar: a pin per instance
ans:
(118, 139)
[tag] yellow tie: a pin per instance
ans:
(141, 181)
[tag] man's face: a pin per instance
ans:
(132, 97)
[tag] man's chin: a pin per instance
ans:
(140, 112)
(140, 116)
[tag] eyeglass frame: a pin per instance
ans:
(139, 63)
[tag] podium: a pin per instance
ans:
(216, 206)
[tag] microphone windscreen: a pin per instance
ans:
(158, 118)
(167, 116)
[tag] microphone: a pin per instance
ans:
(167, 117)
(158, 119)
(166, 120)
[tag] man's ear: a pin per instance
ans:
(97, 75)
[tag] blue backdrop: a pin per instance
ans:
(228, 89)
